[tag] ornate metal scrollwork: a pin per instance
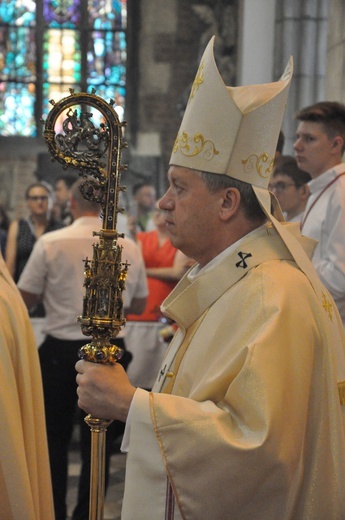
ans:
(94, 149)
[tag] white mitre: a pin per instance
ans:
(232, 130)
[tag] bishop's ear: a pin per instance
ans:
(231, 203)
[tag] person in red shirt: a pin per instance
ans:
(145, 333)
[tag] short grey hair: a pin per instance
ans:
(249, 201)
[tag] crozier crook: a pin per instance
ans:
(94, 149)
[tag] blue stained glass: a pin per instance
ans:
(61, 13)
(107, 58)
(107, 14)
(17, 54)
(17, 102)
(18, 13)
(63, 38)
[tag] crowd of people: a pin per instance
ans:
(242, 415)
(48, 271)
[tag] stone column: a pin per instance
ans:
(256, 42)
(301, 31)
(335, 79)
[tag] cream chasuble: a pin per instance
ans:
(25, 488)
(252, 425)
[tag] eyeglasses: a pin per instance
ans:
(279, 187)
(37, 198)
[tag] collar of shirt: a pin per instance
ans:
(87, 220)
(319, 183)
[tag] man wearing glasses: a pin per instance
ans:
(289, 185)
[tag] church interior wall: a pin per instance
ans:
(301, 31)
(165, 42)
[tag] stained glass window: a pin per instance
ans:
(50, 46)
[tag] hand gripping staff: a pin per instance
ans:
(90, 140)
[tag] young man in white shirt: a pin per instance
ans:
(319, 148)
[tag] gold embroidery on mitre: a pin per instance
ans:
(261, 164)
(199, 79)
(341, 391)
(327, 305)
(192, 146)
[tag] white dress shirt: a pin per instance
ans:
(324, 220)
(55, 269)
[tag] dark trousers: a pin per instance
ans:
(58, 358)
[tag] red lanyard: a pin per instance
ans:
(317, 198)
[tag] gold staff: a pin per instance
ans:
(94, 149)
